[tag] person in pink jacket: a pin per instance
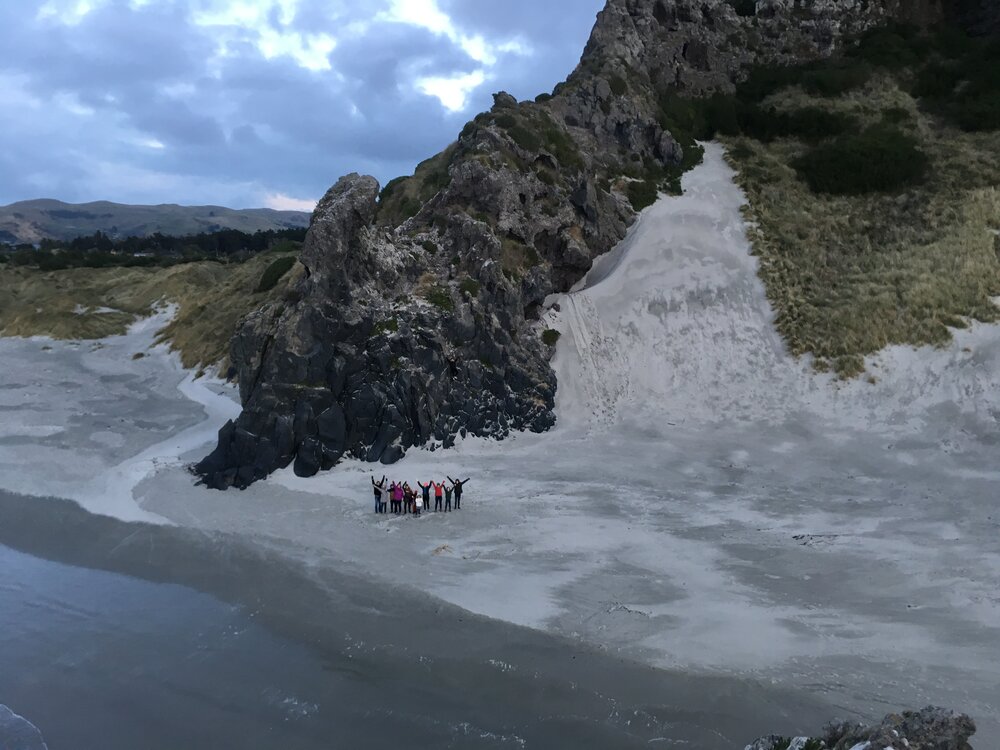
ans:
(397, 497)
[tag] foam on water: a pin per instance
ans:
(17, 733)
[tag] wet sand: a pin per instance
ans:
(121, 635)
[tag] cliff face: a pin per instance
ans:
(417, 318)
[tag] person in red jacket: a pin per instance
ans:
(438, 495)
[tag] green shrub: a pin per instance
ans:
(561, 144)
(805, 123)
(745, 8)
(965, 88)
(391, 188)
(286, 246)
(762, 81)
(470, 287)
(977, 111)
(505, 121)
(524, 138)
(896, 115)
(546, 176)
(824, 78)
(274, 272)
(642, 194)
(693, 155)
(618, 85)
(836, 79)
(550, 336)
(542, 98)
(937, 81)
(684, 118)
(402, 198)
(440, 298)
(721, 114)
(894, 47)
(429, 246)
(386, 326)
(881, 159)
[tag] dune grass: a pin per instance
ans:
(74, 303)
(851, 274)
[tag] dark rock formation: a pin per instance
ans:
(930, 729)
(978, 16)
(417, 319)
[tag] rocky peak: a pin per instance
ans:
(700, 46)
(333, 253)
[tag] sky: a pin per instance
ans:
(250, 103)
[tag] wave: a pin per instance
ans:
(17, 733)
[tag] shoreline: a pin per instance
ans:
(339, 617)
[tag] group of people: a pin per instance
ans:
(400, 498)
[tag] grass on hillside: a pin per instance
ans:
(211, 298)
(851, 271)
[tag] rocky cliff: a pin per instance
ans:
(417, 318)
(929, 729)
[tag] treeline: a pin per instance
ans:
(159, 250)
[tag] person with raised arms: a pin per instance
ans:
(425, 490)
(397, 498)
(448, 491)
(458, 485)
(380, 491)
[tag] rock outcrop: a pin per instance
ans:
(930, 729)
(417, 319)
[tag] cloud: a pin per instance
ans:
(250, 102)
(280, 202)
(453, 93)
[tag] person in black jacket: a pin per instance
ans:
(458, 485)
(447, 498)
(380, 491)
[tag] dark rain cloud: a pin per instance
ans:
(132, 102)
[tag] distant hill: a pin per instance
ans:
(32, 221)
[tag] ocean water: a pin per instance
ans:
(117, 635)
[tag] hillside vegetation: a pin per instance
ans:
(873, 189)
(91, 303)
(33, 221)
